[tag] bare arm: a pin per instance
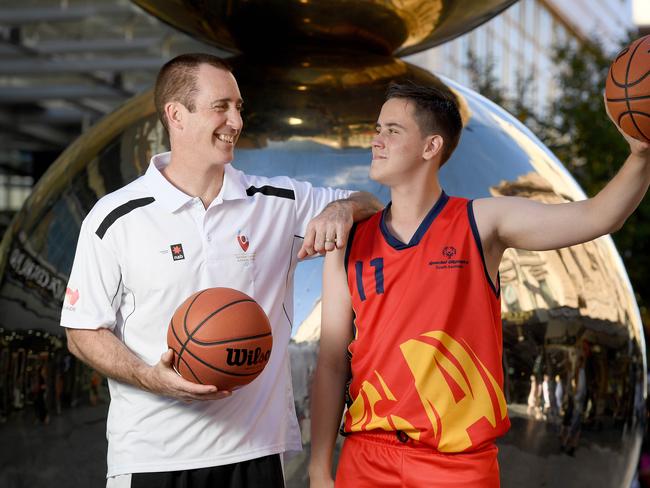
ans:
(525, 224)
(327, 396)
(100, 349)
(335, 221)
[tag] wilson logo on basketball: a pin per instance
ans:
(249, 357)
(243, 242)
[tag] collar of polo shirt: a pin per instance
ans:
(172, 198)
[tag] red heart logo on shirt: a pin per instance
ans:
(71, 295)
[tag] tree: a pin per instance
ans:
(580, 135)
(576, 129)
(484, 81)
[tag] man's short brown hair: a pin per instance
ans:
(176, 81)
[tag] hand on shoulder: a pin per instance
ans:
(329, 230)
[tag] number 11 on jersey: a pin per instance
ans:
(378, 264)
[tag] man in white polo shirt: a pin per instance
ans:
(191, 222)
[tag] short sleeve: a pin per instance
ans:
(93, 292)
(310, 201)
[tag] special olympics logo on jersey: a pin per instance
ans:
(449, 252)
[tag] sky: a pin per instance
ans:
(641, 12)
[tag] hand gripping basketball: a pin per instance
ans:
(627, 90)
(220, 337)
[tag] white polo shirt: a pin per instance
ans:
(145, 248)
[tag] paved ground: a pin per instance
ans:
(68, 452)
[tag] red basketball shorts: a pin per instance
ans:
(380, 460)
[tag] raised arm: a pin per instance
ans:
(104, 352)
(330, 229)
(525, 224)
(328, 387)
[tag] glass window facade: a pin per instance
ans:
(14, 190)
(520, 44)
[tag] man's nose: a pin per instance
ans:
(234, 119)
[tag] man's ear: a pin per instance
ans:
(433, 148)
(174, 112)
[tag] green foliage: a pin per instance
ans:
(576, 128)
(578, 131)
(483, 79)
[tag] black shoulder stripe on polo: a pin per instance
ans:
(271, 191)
(121, 211)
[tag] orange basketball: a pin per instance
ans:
(627, 89)
(220, 337)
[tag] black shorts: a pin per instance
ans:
(264, 472)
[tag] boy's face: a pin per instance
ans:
(398, 145)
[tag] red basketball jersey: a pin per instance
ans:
(426, 354)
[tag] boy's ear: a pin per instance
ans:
(434, 146)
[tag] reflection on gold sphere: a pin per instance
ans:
(332, 97)
(380, 26)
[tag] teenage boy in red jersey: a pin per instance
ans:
(417, 332)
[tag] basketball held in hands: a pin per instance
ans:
(220, 337)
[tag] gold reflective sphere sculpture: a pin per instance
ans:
(313, 75)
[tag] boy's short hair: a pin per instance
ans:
(436, 112)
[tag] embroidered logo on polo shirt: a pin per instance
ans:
(243, 241)
(243, 257)
(177, 252)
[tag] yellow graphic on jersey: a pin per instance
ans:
(365, 413)
(452, 389)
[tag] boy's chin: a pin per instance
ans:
(378, 178)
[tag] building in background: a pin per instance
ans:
(519, 42)
(641, 15)
(63, 66)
